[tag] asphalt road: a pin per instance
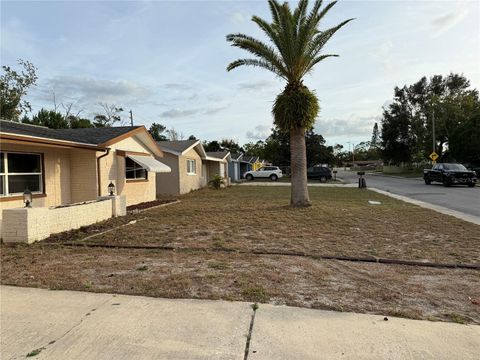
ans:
(459, 198)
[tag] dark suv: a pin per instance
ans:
(321, 173)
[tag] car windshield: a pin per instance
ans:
(457, 167)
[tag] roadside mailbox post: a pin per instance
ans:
(335, 175)
(362, 183)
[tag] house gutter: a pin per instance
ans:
(99, 182)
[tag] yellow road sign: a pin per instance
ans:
(433, 156)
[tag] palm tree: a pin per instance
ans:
(296, 47)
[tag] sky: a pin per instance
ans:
(166, 60)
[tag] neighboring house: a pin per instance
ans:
(234, 168)
(257, 163)
(217, 164)
(192, 168)
(65, 166)
(245, 165)
(184, 157)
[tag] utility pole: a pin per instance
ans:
(433, 131)
(131, 118)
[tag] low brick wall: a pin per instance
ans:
(78, 215)
(28, 225)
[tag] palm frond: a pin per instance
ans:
(315, 61)
(255, 63)
(257, 48)
(319, 41)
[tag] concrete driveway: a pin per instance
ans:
(459, 198)
(77, 325)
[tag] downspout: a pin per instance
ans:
(99, 183)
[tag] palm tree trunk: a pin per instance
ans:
(298, 160)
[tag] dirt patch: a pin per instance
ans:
(149, 204)
(243, 220)
(395, 290)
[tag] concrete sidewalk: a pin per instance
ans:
(78, 325)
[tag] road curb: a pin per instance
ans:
(443, 210)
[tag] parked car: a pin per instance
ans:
(450, 174)
(267, 172)
(321, 173)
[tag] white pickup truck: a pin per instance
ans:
(268, 172)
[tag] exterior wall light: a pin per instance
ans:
(111, 189)
(27, 198)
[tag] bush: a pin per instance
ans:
(217, 182)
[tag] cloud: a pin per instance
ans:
(446, 22)
(177, 113)
(255, 85)
(383, 54)
(352, 127)
(177, 86)
(87, 90)
(261, 132)
(237, 18)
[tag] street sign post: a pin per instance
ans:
(434, 156)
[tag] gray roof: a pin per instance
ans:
(217, 154)
(177, 146)
(249, 159)
(94, 136)
(236, 156)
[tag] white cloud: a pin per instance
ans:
(177, 113)
(261, 132)
(446, 22)
(261, 85)
(352, 126)
(88, 90)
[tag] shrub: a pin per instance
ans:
(216, 182)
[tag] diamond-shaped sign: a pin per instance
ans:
(433, 156)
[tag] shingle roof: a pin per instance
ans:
(217, 154)
(236, 156)
(94, 136)
(177, 146)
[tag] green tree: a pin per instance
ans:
(110, 115)
(213, 145)
(48, 118)
(296, 47)
(230, 145)
(76, 122)
(157, 130)
(13, 88)
(407, 123)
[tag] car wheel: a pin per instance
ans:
(249, 177)
(273, 177)
(446, 182)
(323, 179)
(427, 181)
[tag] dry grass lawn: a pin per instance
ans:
(215, 233)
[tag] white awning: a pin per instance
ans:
(150, 163)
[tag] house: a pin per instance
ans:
(66, 166)
(192, 168)
(189, 172)
(217, 164)
(245, 165)
(234, 168)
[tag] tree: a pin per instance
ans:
(55, 120)
(48, 118)
(296, 47)
(212, 146)
(157, 130)
(13, 88)
(174, 135)
(111, 115)
(407, 123)
(230, 145)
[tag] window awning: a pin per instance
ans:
(150, 163)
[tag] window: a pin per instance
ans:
(191, 167)
(222, 169)
(134, 170)
(19, 171)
